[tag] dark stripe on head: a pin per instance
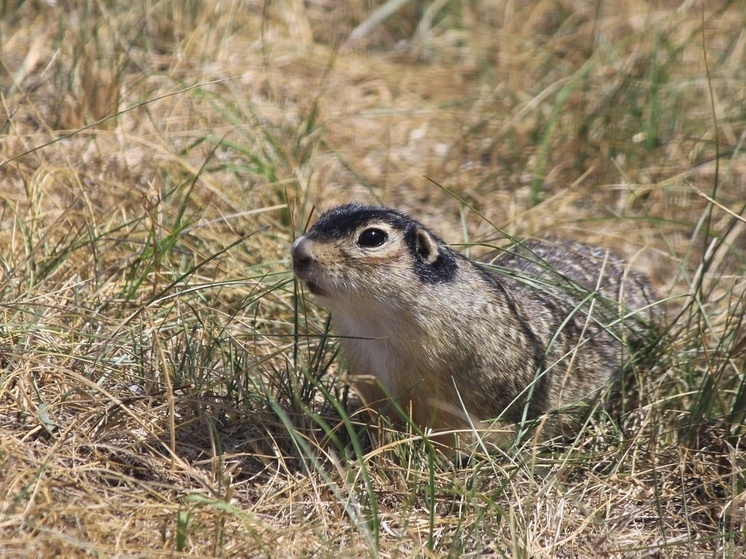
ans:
(343, 220)
(437, 264)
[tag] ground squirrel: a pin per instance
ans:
(542, 325)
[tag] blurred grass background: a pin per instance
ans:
(167, 391)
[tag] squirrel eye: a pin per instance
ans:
(372, 237)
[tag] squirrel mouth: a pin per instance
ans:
(314, 288)
(306, 274)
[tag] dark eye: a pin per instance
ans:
(372, 237)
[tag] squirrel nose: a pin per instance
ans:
(301, 253)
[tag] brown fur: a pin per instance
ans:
(542, 326)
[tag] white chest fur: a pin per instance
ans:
(376, 345)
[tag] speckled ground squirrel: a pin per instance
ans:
(543, 325)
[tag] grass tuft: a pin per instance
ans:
(166, 387)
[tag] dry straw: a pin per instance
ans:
(167, 391)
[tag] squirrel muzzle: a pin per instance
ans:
(303, 264)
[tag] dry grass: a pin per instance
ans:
(165, 391)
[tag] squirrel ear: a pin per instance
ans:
(426, 246)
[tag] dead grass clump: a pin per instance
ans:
(167, 390)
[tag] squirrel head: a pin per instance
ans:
(358, 253)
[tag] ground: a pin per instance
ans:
(168, 390)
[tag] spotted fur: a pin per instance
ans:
(458, 343)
